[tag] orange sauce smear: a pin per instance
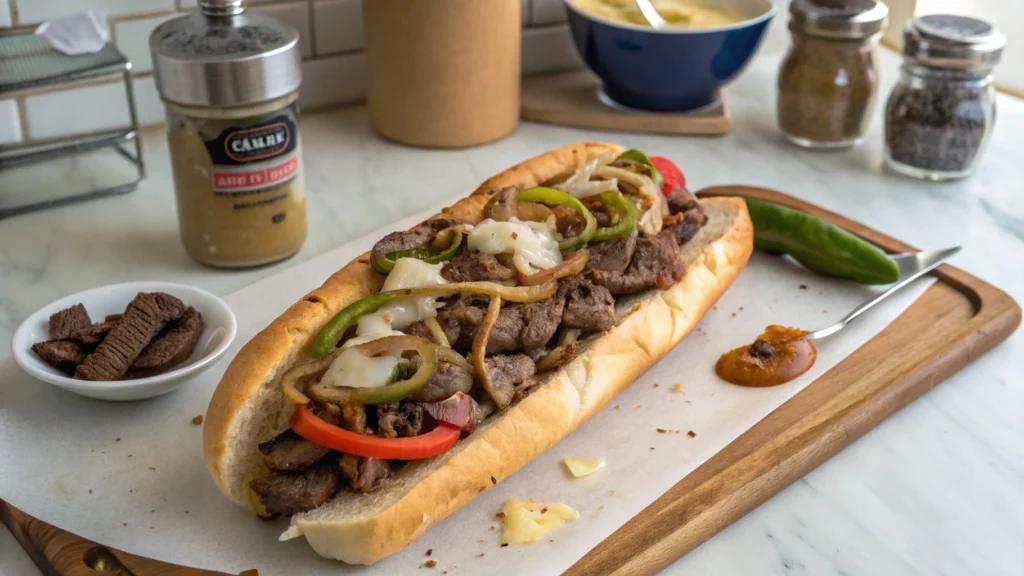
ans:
(776, 357)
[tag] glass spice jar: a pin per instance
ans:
(941, 112)
(829, 78)
(229, 80)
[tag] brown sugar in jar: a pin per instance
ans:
(829, 78)
(229, 81)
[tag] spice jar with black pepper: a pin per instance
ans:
(941, 112)
(829, 77)
(229, 80)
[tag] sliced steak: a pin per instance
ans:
(94, 333)
(399, 420)
(174, 345)
(420, 236)
(588, 307)
(65, 322)
(447, 380)
(687, 215)
(460, 317)
(503, 205)
(288, 452)
(476, 266)
(656, 262)
(525, 326)
(64, 355)
(145, 317)
(293, 492)
(611, 255)
(370, 473)
(506, 371)
(680, 200)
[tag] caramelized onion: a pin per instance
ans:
(436, 332)
(290, 380)
(480, 348)
(510, 293)
(445, 354)
(572, 265)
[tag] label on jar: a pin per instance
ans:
(255, 158)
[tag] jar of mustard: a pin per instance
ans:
(229, 81)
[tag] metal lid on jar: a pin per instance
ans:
(222, 55)
(952, 41)
(841, 19)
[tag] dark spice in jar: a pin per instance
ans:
(938, 126)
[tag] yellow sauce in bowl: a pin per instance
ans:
(682, 13)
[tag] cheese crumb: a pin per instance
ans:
(580, 467)
(527, 521)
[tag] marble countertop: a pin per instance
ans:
(937, 488)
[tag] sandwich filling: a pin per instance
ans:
(469, 319)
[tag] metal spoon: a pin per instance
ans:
(651, 15)
(912, 266)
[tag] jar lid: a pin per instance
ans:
(842, 19)
(222, 55)
(952, 41)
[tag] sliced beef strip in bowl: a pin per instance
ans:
(65, 322)
(64, 355)
(174, 345)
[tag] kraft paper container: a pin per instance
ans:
(443, 73)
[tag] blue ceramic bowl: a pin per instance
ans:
(669, 70)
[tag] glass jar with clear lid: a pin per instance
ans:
(941, 112)
(829, 78)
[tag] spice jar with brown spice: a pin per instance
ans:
(229, 80)
(829, 77)
(941, 112)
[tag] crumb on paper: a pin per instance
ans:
(733, 315)
(151, 511)
(552, 540)
(186, 511)
(124, 524)
(655, 385)
(499, 515)
(661, 430)
(637, 406)
(90, 491)
(691, 434)
(689, 402)
(824, 311)
(103, 451)
(601, 507)
(803, 286)
(430, 551)
(611, 492)
(652, 447)
(741, 308)
(430, 563)
(504, 545)
(152, 468)
(480, 555)
(678, 387)
(129, 455)
(616, 406)
(198, 420)
(117, 439)
(491, 528)
(715, 307)
(480, 541)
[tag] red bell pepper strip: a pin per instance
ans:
(670, 173)
(437, 441)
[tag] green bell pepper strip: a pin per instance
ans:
(395, 389)
(628, 215)
(818, 245)
(640, 157)
(327, 340)
(385, 264)
(552, 197)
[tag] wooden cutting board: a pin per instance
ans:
(953, 323)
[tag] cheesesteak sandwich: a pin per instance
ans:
(449, 356)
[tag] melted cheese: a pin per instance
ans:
(397, 315)
(353, 369)
(580, 467)
(527, 521)
(531, 244)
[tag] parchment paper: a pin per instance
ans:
(132, 475)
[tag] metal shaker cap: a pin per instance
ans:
(952, 41)
(221, 55)
(841, 19)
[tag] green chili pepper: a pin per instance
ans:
(552, 197)
(819, 245)
(329, 336)
(385, 264)
(640, 157)
(627, 217)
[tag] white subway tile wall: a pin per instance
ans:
(338, 25)
(10, 124)
(132, 38)
(333, 65)
(548, 12)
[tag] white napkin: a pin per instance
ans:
(80, 33)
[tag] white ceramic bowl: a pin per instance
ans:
(219, 328)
